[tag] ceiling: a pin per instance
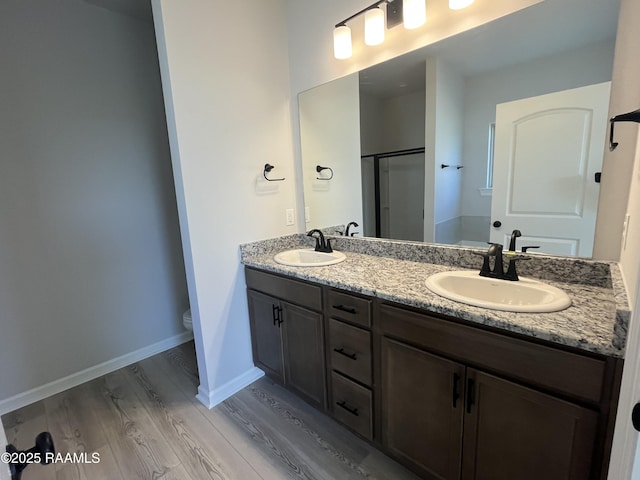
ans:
(543, 29)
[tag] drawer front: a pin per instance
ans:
(293, 291)
(564, 372)
(351, 405)
(349, 308)
(350, 350)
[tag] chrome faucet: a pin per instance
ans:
(322, 244)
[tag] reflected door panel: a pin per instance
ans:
(547, 152)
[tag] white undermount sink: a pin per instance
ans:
(525, 295)
(308, 257)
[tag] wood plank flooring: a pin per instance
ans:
(145, 423)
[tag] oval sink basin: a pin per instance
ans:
(308, 257)
(525, 295)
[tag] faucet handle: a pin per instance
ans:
(485, 271)
(494, 248)
(512, 274)
(327, 248)
(524, 249)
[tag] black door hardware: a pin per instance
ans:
(341, 351)
(625, 117)
(497, 224)
(598, 177)
(635, 416)
(352, 411)
(456, 389)
(277, 315)
(42, 452)
(342, 308)
(470, 394)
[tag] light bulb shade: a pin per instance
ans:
(374, 26)
(459, 4)
(342, 42)
(414, 13)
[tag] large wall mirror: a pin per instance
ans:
(501, 127)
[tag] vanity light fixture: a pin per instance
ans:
(374, 26)
(374, 23)
(414, 13)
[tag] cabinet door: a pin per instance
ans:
(303, 343)
(265, 334)
(514, 432)
(422, 405)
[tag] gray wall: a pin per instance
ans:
(90, 259)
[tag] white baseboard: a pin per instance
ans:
(218, 395)
(39, 393)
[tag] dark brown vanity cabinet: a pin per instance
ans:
(449, 399)
(540, 413)
(449, 422)
(349, 361)
(287, 333)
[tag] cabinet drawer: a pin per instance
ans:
(296, 292)
(351, 404)
(349, 308)
(350, 350)
(564, 372)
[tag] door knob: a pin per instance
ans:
(42, 452)
(497, 224)
(635, 416)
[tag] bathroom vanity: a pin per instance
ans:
(449, 390)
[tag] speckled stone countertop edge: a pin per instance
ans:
(607, 339)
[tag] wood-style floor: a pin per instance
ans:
(145, 423)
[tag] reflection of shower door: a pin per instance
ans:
(402, 197)
(547, 151)
(393, 197)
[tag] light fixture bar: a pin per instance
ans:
(377, 4)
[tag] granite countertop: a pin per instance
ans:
(596, 322)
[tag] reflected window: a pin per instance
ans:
(491, 144)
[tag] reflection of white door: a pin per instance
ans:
(547, 152)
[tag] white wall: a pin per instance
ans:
(626, 95)
(330, 119)
(618, 165)
(571, 69)
(90, 259)
(225, 78)
(448, 142)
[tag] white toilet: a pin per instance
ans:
(186, 320)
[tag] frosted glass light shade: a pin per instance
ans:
(374, 26)
(342, 42)
(414, 13)
(459, 4)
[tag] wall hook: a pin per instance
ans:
(320, 169)
(267, 169)
(624, 117)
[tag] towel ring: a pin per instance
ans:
(267, 169)
(320, 169)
